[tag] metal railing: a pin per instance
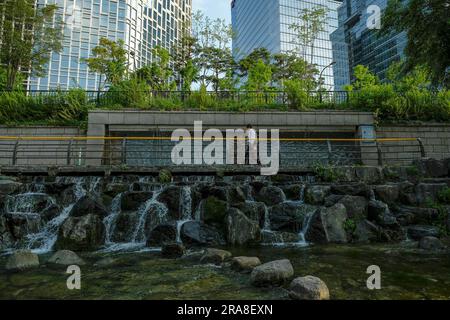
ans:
(156, 151)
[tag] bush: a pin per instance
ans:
(296, 94)
(131, 93)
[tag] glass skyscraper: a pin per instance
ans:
(141, 24)
(363, 45)
(266, 24)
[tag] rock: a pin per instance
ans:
(282, 178)
(20, 225)
(332, 199)
(357, 206)
(161, 234)
(51, 212)
(431, 243)
(194, 233)
(87, 205)
(293, 192)
(85, 233)
(124, 227)
(278, 237)
(244, 264)
(272, 273)
(66, 258)
(289, 216)
(218, 192)
(308, 288)
(113, 189)
(420, 231)
(21, 260)
(27, 203)
(271, 195)
(236, 195)
(387, 193)
(316, 194)
(407, 215)
(6, 238)
(214, 212)
(428, 192)
(380, 214)
(255, 211)
(215, 256)
(132, 201)
(433, 168)
(173, 250)
(170, 196)
(9, 187)
(370, 175)
(366, 232)
(359, 189)
(328, 225)
(240, 229)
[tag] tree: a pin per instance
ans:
(259, 76)
(212, 54)
(109, 59)
(427, 25)
(157, 74)
(291, 67)
(249, 61)
(308, 30)
(184, 68)
(363, 78)
(28, 35)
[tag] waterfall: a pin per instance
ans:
(185, 209)
(198, 210)
(109, 220)
(46, 238)
(305, 226)
(266, 219)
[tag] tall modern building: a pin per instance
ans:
(354, 42)
(141, 24)
(266, 24)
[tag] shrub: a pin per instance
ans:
(131, 93)
(296, 94)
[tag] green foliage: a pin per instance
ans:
(165, 176)
(109, 58)
(259, 76)
(296, 94)
(157, 74)
(28, 34)
(326, 173)
(131, 93)
(350, 226)
(444, 196)
(426, 24)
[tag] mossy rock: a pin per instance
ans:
(165, 176)
(214, 211)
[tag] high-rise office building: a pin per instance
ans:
(363, 45)
(266, 24)
(141, 24)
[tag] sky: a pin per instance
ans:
(214, 8)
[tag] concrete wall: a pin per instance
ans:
(435, 138)
(39, 152)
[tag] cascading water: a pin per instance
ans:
(110, 219)
(185, 209)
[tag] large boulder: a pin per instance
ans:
(255, 211)
(195, 233)
(132, 201)
(433, 168)
(271, 195)
(370, 175)
(163, 233)
(245, 264)
(236, 195)
(272, 273)
(389, 193)
(20, 225)
(418, 232)
(87, 205)
(9, 186)
(356, 189)
(407, 215)
(240, 229)
(293, 192)
(428, 192)
(431, 244)
(113, 189)
(6, 239)
(366, 232)
(66, 258)
(380, 214)
(215, 256)
(214, 212)
(86, 233)
(308, 288)
(170, 196)
(21, 260)
(328, 225)
(289, 216)
(125, 225)
(357, 206)
(316, 194)
(218, 192)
